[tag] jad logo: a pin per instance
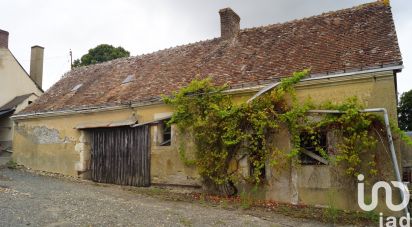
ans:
(390, 221)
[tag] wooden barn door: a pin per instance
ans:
(121, 155)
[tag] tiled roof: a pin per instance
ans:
(356, 38)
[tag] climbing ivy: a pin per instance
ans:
(355, 130)
(224, 131)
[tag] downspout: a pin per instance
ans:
(390, 141)
(264, 90)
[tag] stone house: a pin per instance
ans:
(105, 122)
(17, 88)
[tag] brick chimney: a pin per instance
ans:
(4, 39)
(36, 64)
(229, 23)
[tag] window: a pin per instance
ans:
(309, 155)
(165, 133)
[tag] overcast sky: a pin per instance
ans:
(147, 26)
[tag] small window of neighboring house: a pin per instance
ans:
(165, 133)
(309, 155)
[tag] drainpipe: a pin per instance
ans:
(262, 91)
(390, 141)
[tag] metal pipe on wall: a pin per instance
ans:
(389, 137)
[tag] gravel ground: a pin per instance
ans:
(30, 199)
(4, 157)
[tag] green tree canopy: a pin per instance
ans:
(101, 53)
(405, 111)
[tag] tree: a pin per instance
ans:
(101, 53)
(405, 111)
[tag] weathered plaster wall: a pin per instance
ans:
(52, 144)
(328, 185)
(6, 124)
(325, 185)
(166, 166)
(374, 90)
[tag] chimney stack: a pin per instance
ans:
(4, 39)
(36, 64)
(229, 23)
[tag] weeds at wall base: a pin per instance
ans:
(12, 165)
(263, 208)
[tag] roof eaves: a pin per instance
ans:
(16, 101)
(158, 100)
(6, 113)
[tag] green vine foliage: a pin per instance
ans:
(224, 131)
(356, 130)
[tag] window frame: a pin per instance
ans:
(309, 156)
(161, 126)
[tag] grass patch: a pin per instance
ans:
(224, 204)
(246, 200)
(331, 212)
(12, 164)
(219, 223)
(185, 222)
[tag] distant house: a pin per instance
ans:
(105, 122)
(17, 88)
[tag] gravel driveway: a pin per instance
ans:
(35, 200)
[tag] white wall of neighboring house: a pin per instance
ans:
(14, 80)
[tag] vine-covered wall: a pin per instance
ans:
(256, 147)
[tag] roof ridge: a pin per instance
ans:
(324, 14)
(176, 47)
